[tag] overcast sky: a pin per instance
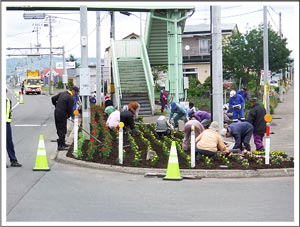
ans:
(66, 27)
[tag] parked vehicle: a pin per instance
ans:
(33, 82)
(274, 83)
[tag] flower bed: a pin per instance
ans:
(135, 149)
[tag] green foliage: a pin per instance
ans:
(199, 94)
(243, 55)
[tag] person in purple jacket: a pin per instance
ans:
(200, 115)
(241, 132)
(237, 105)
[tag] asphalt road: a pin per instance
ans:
(72, 195)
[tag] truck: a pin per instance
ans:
(33, 82)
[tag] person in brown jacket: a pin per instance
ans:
(210, 141)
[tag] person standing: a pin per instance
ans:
(63, 103)
(241, 132)
(237, 105)
(9, 141)
(244, 93)
(163, 97)
(256, 118)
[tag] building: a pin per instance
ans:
(196, 43)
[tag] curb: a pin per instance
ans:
(186, 173)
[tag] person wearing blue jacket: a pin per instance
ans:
(237, 105)
(241, 132)
(180, 113)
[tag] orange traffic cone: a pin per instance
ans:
(41, 162)
(21, 100)
(173, 171)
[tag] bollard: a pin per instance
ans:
(75, 149)
(121, 126)
(193, 146)
(268, 119)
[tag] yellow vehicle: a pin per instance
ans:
(33, 82)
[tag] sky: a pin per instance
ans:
(66, 25)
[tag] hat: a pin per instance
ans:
(75, 88)
(173, 105)
(106, 97)
(232, 93)
(254, 99)
(224, 131)
(214, 125)
(109, 110)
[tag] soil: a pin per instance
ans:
(163, 159)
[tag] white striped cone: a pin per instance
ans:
(41, 162)
(173, 171)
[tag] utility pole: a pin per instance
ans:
(266, 62)
(217, 73)
(65, 75)
(280, 34)
(98, 56)
(51, 74)
(84, 73)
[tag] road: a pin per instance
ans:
(71, 194)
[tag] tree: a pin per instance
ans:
(73, 59)
(243, 56)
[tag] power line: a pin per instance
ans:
(272, 20)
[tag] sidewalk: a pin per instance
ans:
(282, 136)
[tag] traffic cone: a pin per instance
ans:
(173, 171)
(21, 101)
(41, 162)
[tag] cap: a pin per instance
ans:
(232, 93)
(254, 99)
(106, 97)
(173, 105)
(214, 125)
(75, 88)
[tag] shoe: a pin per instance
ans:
(62, 148)
(15, 164)
(261, 149)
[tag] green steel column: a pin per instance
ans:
(175, 74)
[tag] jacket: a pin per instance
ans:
(240, 130)
(8, 110)
(210, 140)
(236, 100)
(63, 103)
(256, 118)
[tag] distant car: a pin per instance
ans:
(274, 83)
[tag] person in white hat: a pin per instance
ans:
(237, 105)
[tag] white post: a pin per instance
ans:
(121, 125)
(192, 146)
(75, 150)
(267, 151)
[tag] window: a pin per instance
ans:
(204, 45)
(190, 72)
